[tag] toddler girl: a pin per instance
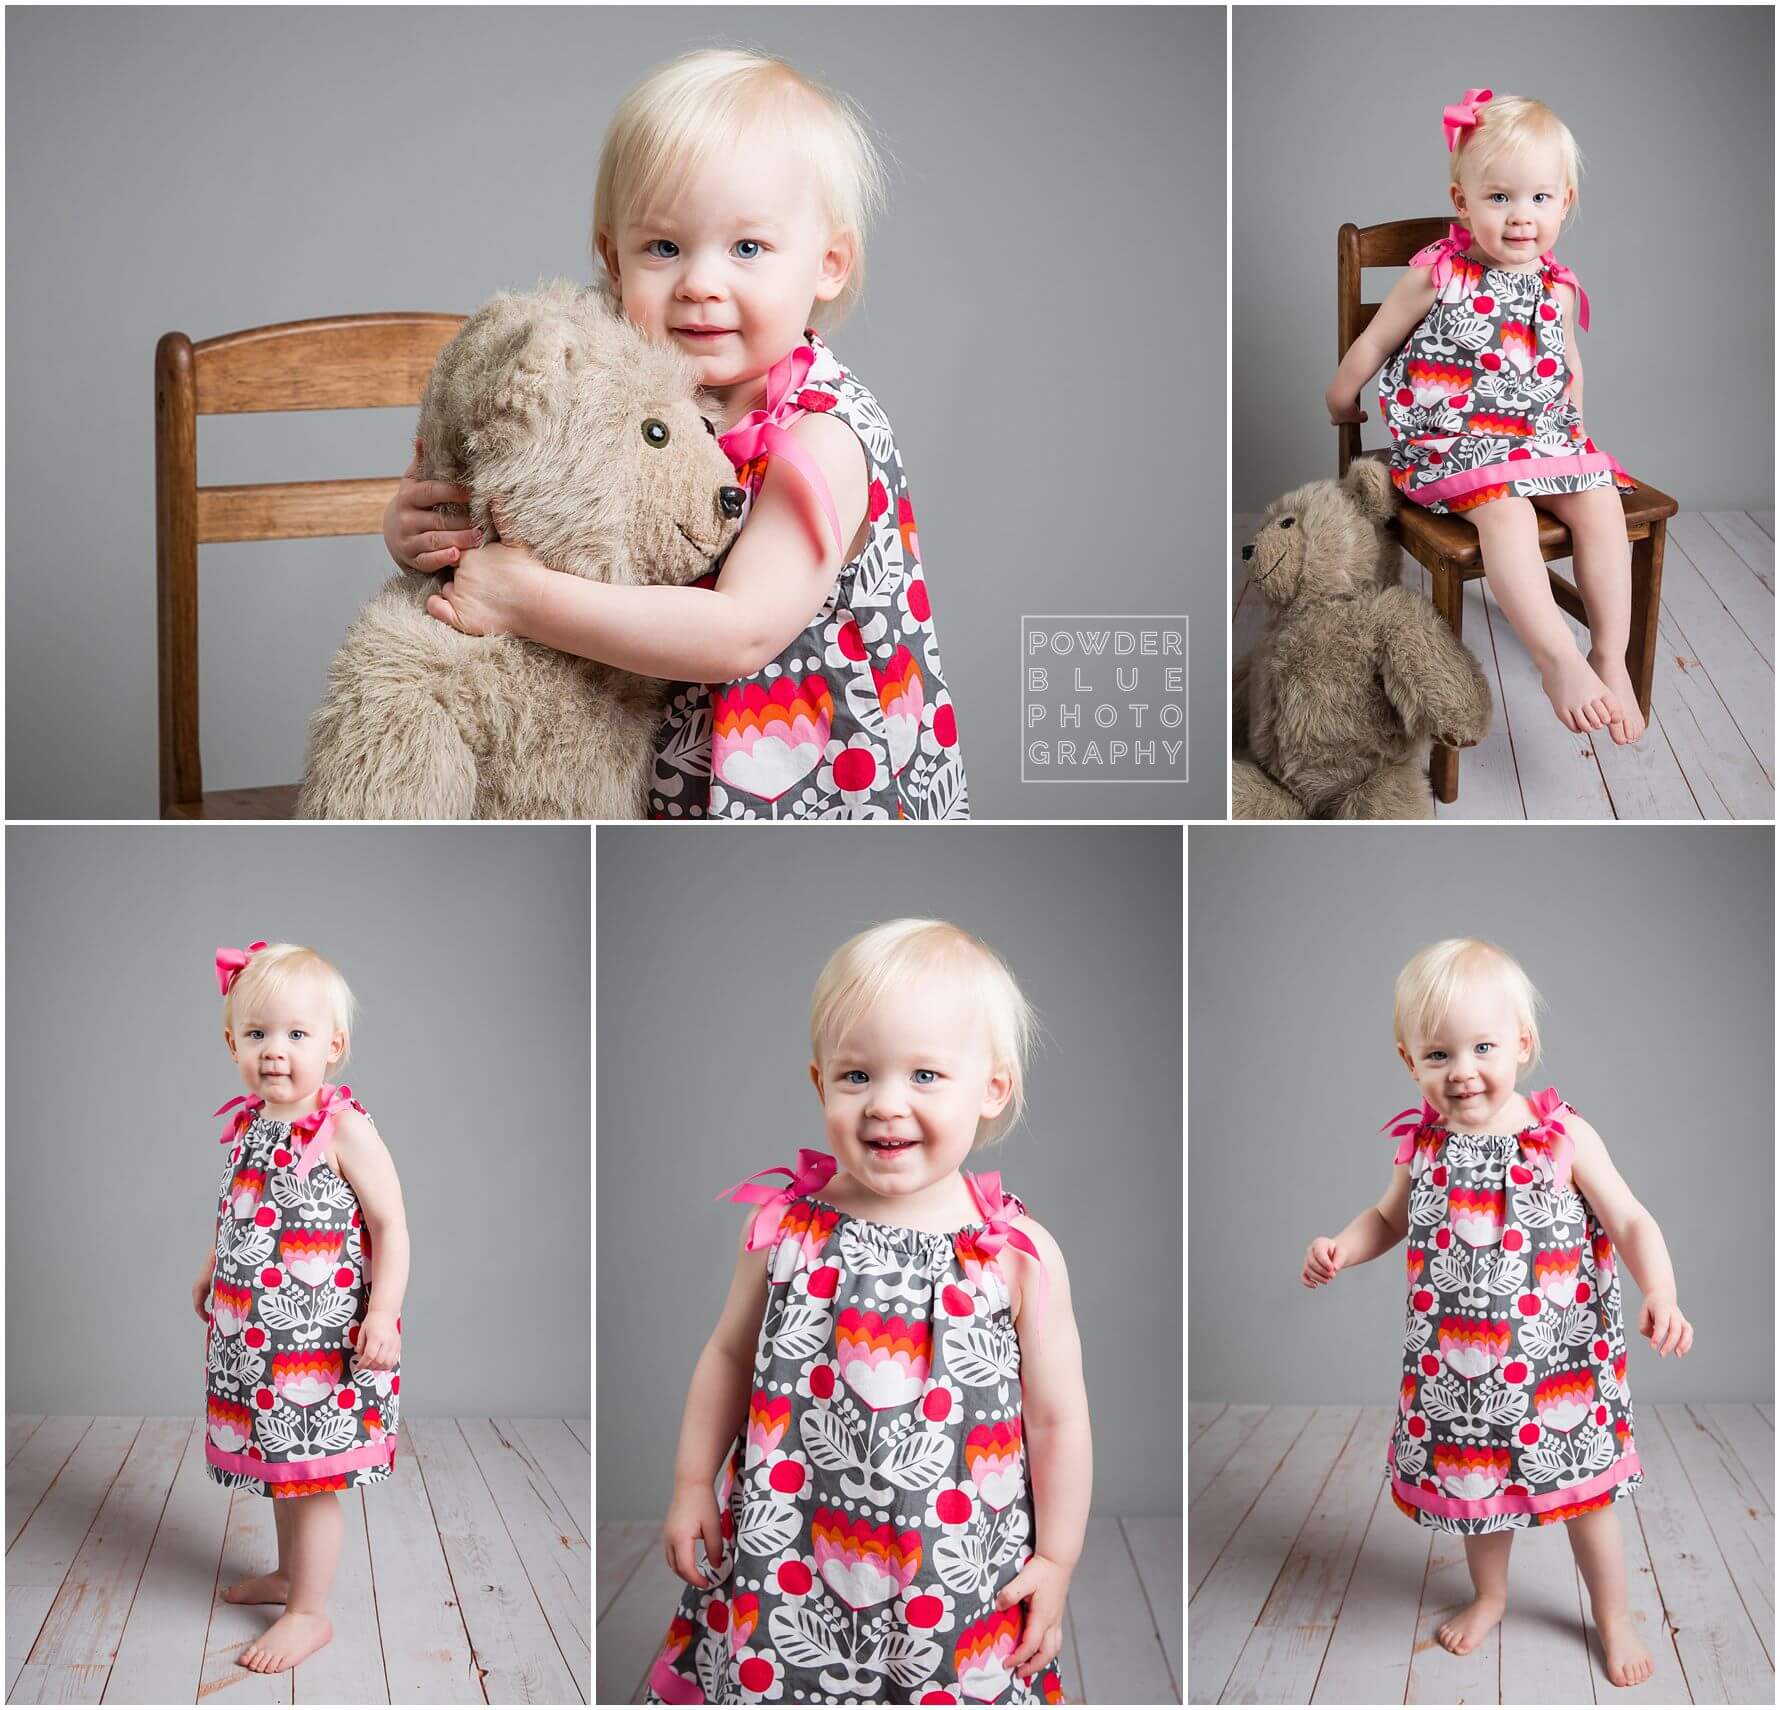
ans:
(896, 1349)
(730, 210)
(1484, 399)
(1514, 1404)
(304, 1331)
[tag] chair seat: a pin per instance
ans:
(273, 801)
(1451, 541)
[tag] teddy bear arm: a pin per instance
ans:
(1239, 678)
(1430, 677)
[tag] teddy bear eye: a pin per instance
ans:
(710, 426)
(1285, 522)
(655, 432)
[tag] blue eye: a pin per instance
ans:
(756, 244)
(1484, 1050)
(1542, 196)
(649, 248)
(255, 1033)
(1436, 1056)
(855, 1078)
(932, 1074)
(299, 1033)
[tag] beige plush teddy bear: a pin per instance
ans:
(1353, 675)
(598, 444)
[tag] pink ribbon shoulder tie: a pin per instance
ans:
(1410, 1125)
(758, 433)
(1462, 115)
(229, 963)
(1547, 1138)
(998, 1232)
(810, 1175)
(1441, 255)
(1556, 273)
(249, 1104)
(320, 1123)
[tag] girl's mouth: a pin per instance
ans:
(891, 1146)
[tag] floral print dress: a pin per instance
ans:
(853, 720)
(285, 1414)
(876, 1500)
(1514, 1406)
(1478, 399)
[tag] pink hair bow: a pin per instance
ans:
(810, 1176)
(757, 433)
(1408, 1125)
(249, 1104)
(319, 1124)
(997, 1232)
(1559, 274)
(1462, 115)
(229, 963)
(1548, 1139)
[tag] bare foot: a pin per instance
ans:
(1627, 1660)
(1612, 671)
(1578, 697)
(1467, 1628)
(260, 1588)
(286, 1642)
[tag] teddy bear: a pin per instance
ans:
(607, 466)
(1353, 675)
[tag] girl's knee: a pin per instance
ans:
(1503, 516)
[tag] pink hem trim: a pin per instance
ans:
(294, 1472)
(671, 1686)
(1456, 1508)
(1502, 474)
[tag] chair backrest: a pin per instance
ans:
(1356, 247)
(349, 362)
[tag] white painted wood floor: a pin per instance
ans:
(1308, 1586)
(463, 1580)
(1122, 1623)
(1709, 751)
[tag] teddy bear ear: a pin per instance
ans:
(1368, 484)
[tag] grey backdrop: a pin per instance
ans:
(211, 169)
(1653, 947)
(467, 950)
(1673, 238)
(703, 988)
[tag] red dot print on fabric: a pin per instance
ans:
(822, 1282)
(958, 1303)
(945, 726)
(1483, 305)
(822, 1382)
(938, 1405)
(850, 641)
(925, 1611)
(717, 1616)
(919, 610)
(854, 769)
(755, 1674)
(786, 1477)
(794, 1579)
(265, 1217)
(952, 1506)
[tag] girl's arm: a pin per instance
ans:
(361, 1157)
(1572, 347)
(1404, 308)
(1376, 1230)
(1059, 1450)
(716, 1409)
(773, 582)
(1634, 1234)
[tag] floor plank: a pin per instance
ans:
(1743, 677)
(1763, 520)
(1667, 1683)
(544, 1532)
(19, 1427)
(515, 1649)
(1737, 561)
(583, 1430)
(1155, 1545)
(1722, 769)
(250, 1541)
(1121, 1655)
(1221, 1440)
(559, 1456)
(1200, 1416)
(1750, 1436)
(1214, 1517)
(1370, 1651)
(632, 1629)
(34, 1469)
(622, 1545)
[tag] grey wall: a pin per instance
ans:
(467, 950)
(1336, 116)
(217, 168)
(1653, 947)
(704, 972)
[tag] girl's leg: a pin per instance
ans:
(1603, 560)
(271, 1587)
(1508, 533)
(1600, 1553)
(317, 1527)
(1486, 1555)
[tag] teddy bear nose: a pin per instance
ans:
(730, 499)
(1248, 552)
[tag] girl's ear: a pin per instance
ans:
(229, 1040)
(1526, 1047)
(999, 1090)
(1408, 1061)
(336, 1048)
(838, 261)
(1458, 199)
(816, 1082)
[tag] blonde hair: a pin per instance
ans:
(1507, 123)
(270, 971)
(1427, 985)
(884, 957)
(706, 102)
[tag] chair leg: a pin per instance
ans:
(1647, 586)
(1449, 602)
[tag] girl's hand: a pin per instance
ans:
(1322, 1259)
(379, 1345)
(488, 593)
(1042, 1584)
(201, 1290)
(692, 1515)
(415, 533)
(1344, 409)
(1662, 1322)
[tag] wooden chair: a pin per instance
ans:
(1446, 546)
(350, 362)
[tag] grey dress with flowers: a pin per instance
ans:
(876, 1501)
